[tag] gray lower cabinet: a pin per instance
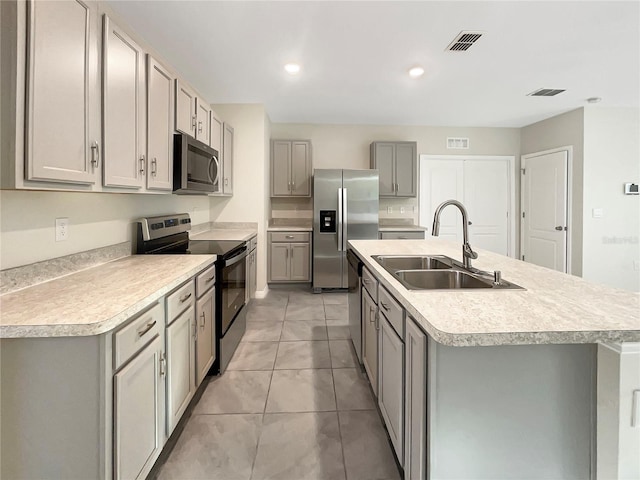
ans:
(402, 235)
(252, 270)
(291, 168)
(370, 339)
(397, 164)
(289, 257)
(205, 339)
(415, 402)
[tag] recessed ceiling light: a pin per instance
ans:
(594, 99)
(292, 68)
(416, 72)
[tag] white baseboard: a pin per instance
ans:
(262, 293)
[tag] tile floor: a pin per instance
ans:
(292, 405)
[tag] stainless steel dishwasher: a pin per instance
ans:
(355, 307)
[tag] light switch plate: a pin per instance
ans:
(597, 213)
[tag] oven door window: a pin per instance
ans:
(233, 292)
(202, 168)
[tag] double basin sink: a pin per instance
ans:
(438, 272)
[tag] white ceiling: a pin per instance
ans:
(355, 57)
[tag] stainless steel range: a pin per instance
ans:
(169, 234)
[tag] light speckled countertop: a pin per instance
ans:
(239, 234)
(290, 228)
(554, 308)
(401, 228)
(96, 300)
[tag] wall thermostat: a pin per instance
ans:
(631, 189)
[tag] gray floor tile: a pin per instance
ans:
(335, 298)
(336, 312)
(235, 392)
(352, 390)
(367, 452)
(342, 354)
(305, 298)
(254, 356)
(273, 298)
(301, 391)
(298, 355)
(338, 330)
(269, 313)
(304, 330)
(214, 446)
(304, 312)
(262, 331)
(299, 446)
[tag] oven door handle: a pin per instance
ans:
(237, 257)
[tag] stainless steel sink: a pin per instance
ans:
(439, 280)
(425, 262)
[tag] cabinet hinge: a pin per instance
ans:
(524, 171)
(522, 257)
(522, 214)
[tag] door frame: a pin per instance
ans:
(523, 159)
(511, 189)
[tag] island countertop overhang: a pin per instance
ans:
(554, 308)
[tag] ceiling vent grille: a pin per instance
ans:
(463, 41)
(459, 143)
(545, 92)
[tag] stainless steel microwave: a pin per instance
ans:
(196, 166)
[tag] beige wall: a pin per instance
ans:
(347, 146)
(562, 131)
(611, 159)
(250, 168)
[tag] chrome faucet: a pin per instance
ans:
(467, 251)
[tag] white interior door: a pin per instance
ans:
(442, 180)
(486, 197)
(544, 210)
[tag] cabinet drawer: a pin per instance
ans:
(180, 300)
(290, 236)
(370, 283)
(402, 235)
(253, 243)
(136, 334)
(205, 280)
(392, 310)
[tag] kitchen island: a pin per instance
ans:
(543, 387)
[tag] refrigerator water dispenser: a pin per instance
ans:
(328, 221)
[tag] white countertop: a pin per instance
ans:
(554, 308)
(96, 300)
(239, 234)
(290, 228)
(401, 228)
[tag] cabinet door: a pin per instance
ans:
(123, 112)
(160, 114)
(205, 343)
(253, 284)
(301, 169)
(415, 403)
(216, 133)
(279, 262)
(300, 261)
(63, 107)
(180, 366)
(390, 383)
(280, 165)
(227, 159)
(138, 391)
(203, 126)
(370, 340)
(383, 160)
(406, 170)
(185, 109)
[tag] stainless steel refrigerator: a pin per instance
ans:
(345, 207)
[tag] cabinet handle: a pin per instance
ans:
(377, 321)
(195, 330)
(193, 122)
(148, 327)
(289, 186)
(371, 315)
(185, 297)
(385, 306)
(95, 154)
(154, 166)
(289, 236)
(204, 318)
(162, 360)
(210, 279)
(286, 253)
(142, 164)
(226, 182)
(293, 186)
(199, 127)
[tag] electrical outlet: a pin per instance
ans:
(389, 209)
(62, 229)
(401, 209)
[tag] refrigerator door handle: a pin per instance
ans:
(345, 219)
(339, 226)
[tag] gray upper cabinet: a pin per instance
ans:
(291, 168)
(397, 164)
(216, 133)
(123, 112)
(186, 118)
(228, 152)
(63, 107)
(160, 114)
(203, 114)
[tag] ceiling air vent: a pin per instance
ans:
(463, 41)
(545, 92)
(457, 143)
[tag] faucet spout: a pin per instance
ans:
(467, 251)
